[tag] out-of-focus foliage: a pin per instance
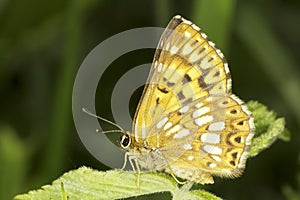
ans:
(42, 44)
(290, 192)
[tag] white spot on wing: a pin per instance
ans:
(200, 112)
(191, 158)
(216, 158)
(204, 35)
(168, 125)
(184, 109)
(182, 133)
(159, 67)
(174, 49)
(211, 43)
(187, 146)
(229, 84)
(199, 105)
(220, 53)
(187, 21)
(195, 27)
(187, 34)
(211, 149)
(212, 138)
(212, 165)
(238, 100)
(173, 130)
(216, 126)
(226, 68)
(162, 122)
(203, 120)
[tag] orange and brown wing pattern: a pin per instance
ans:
(220, 145)
(187, 111)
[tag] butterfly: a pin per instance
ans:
(188, 123)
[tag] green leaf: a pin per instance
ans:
(86, 183)
(268, 128)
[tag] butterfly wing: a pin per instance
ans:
(220, 144)
(186, 67)
(188, 82)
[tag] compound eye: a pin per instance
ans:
(125, 141)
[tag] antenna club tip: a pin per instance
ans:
(98, 130)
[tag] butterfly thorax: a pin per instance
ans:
(144, 152)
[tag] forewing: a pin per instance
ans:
(186, 68)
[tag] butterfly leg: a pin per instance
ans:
(138, 171)
(125, 160)
(172, 173)
(130, 158)
(135, 167)
(175, 178)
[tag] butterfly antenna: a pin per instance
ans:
(106, 120)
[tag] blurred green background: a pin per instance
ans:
(43, 43)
